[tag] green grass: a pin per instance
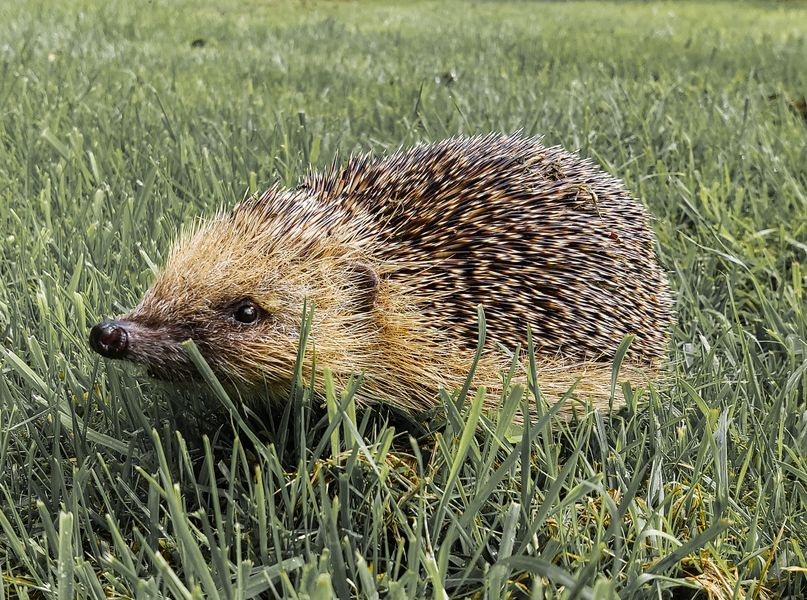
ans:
(115, 130)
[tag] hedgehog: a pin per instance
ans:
(395, 254)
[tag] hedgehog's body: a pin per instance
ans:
(395, 254)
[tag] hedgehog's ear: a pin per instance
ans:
(366, 282)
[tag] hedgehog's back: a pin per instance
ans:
(537, 235)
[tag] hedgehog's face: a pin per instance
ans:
(240, 301)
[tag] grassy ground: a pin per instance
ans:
(120, 121)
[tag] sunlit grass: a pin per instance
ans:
(121, 122)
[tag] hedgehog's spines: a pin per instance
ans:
(433, 195)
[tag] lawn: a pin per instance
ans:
(122, 121)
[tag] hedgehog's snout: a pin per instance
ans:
(110, 339)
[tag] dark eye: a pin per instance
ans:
(246, 312)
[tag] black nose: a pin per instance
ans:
(109, 339)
